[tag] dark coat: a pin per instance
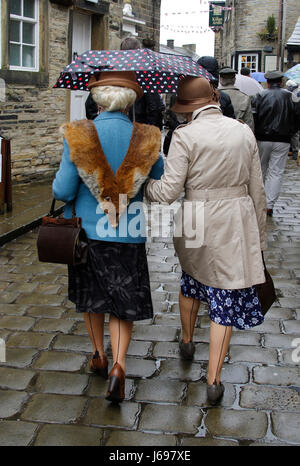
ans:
(276, 115)
(148, 110)
(91, 108)
(226, 105)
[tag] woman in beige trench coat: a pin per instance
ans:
(220, 229)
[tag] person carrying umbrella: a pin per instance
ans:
(147, 109)
(220, 229)
(104, 165)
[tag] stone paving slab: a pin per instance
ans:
(286, 426)
(270, 398)
(279, 341)
(61, 383)
(253, 354)
(21, 323)
(71, 436)
(20, 358)
(208, 442)
(16, 433)
(170, 419)
(60, 361)
(13, 309)
(155, 390)
(53, 325)
(126, 438)
(30, 340)
(11, 402)
(59, 409)
(181, 370)
(15, 379)
(277, 376)
(248, 424)
(103, 414)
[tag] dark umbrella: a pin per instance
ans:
(156, 72)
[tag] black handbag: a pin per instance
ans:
(61, 240)
(266, 291)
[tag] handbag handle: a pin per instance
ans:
(51, 213)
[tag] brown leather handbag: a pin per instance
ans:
(61, 240)
(266, 291)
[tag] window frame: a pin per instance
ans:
(24, 19)
(251, 55)
(237, 54)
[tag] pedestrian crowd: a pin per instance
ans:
(228, 158)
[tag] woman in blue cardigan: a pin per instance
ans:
(104, 165)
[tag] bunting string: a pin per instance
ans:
(191, 30)
(173, 13)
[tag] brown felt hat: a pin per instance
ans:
(193, 93)
(116, 78)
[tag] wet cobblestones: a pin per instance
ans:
(48, 396)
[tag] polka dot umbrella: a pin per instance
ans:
(156, 72)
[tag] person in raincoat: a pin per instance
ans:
(220, 229)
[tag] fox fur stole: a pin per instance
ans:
(88, 156)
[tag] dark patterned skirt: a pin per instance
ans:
(115, 280)
(238, 308)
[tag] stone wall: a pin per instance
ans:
(247, 19)
(32, 114)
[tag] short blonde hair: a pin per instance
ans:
(113, 98)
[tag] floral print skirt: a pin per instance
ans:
(115, 280)
(238, 308)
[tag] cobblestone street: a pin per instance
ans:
(48, 396)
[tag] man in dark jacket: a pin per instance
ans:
(147, 109)
(276, 120)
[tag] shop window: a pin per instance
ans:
(248, 61)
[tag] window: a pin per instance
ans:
(248, 61)
(23, 35)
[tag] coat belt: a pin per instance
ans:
(216, 194)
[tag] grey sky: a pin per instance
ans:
(193, 19)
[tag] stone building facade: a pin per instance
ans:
(239, 43)
(38, 38)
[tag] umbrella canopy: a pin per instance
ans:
(156, 72)
(294, 73)
(247, 85)
(259, 77)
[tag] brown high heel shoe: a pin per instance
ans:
(99, 365)
(116, 387)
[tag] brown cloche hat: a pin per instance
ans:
(193, 93)
(116, 78)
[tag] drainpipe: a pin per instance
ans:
(281, 35)
(283, 32)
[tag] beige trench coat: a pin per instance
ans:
(241, 104)
(215, 159)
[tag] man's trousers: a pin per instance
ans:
(273, 157)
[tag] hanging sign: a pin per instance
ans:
(216, 14)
